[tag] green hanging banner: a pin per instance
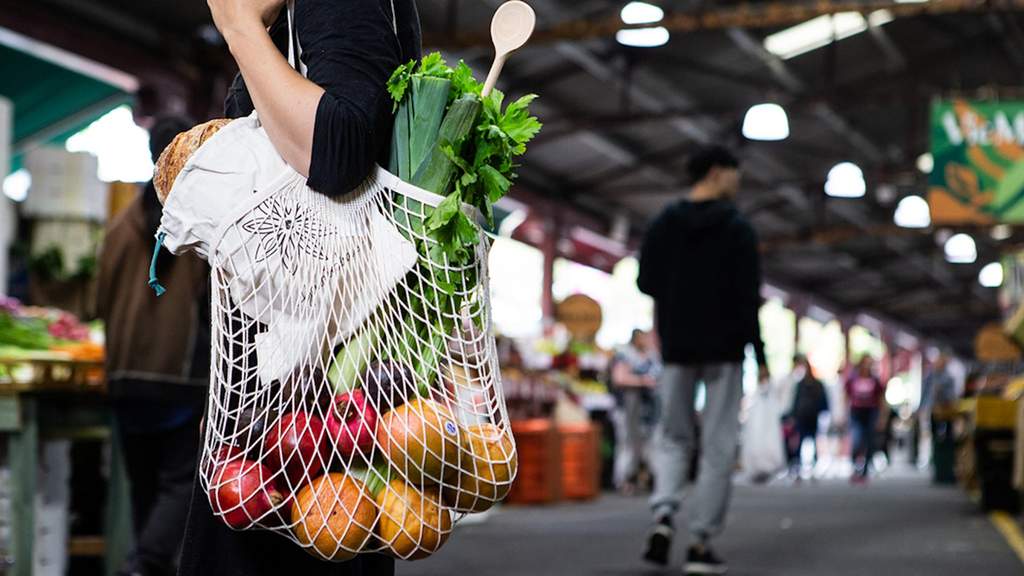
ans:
(978, 173)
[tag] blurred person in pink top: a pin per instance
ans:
(864, 395)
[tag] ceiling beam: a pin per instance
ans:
(759, 15)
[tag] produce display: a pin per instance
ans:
(355, 402)
(32, 332)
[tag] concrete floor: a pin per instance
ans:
(899, 525)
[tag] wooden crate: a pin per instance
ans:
(581, 460)
(539, 478)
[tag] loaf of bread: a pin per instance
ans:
(174, 157)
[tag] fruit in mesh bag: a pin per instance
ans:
(413, 524)
(334, 516)
(295, 444)
(388, 385)
(488, 467)
(177, 153)
(421, 441)
(242, 493)
(222, 456)
(352, 422)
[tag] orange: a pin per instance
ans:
(334, 517)
(421, 440)
(487, 470)
(413, 525)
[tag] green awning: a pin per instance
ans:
(51, 102)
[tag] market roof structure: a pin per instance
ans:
(621, 121)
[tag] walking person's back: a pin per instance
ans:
(700, 263)
(810, 400)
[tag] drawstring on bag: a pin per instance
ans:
(153, 282)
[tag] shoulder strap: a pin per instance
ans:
(293, 39)
(295, 51)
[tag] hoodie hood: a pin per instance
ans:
(699, 218)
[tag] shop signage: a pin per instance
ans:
(978, 152)
(581, 316)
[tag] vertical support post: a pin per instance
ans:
(847, 324)
(118, 524)
(23, 452)
(552, 232)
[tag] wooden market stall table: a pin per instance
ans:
(46, 399)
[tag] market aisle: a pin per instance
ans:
(898, 525)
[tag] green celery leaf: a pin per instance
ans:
(467, 230)
(444, 212)
(449, 151)
(492, 104)
(517, 122)
(495, 184)
(398, 84)
(433, 65)
(463, 81)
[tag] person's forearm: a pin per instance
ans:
(623, 376)
(286, 102)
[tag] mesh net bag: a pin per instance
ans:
(355, 402)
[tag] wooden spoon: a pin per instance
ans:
(511, 27)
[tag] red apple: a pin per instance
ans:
(222, 456)
(352, 423)
(295, 445)
(242, 493)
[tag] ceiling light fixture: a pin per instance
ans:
(846, 180)
(1001, 232)
(822, 31)
(913, 212)
(926, 163)
(643, 37)
(991, 276)
(641, 13)
(961, 249)
(766, 122)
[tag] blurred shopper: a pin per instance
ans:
(864, 395)
(332, 126)
(939, 393)
(158, 367)
(700, 262)
(810, 401)
(633, 372)
(938, 406)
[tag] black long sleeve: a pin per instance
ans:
(349, 49)
(748, 274)
(650, 277)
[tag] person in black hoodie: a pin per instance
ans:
(700, 263)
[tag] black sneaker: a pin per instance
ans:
(703, 561)
(659, 542)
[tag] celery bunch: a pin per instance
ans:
(451, 141)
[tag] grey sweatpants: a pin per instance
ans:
(674, 438)
(631, 446)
